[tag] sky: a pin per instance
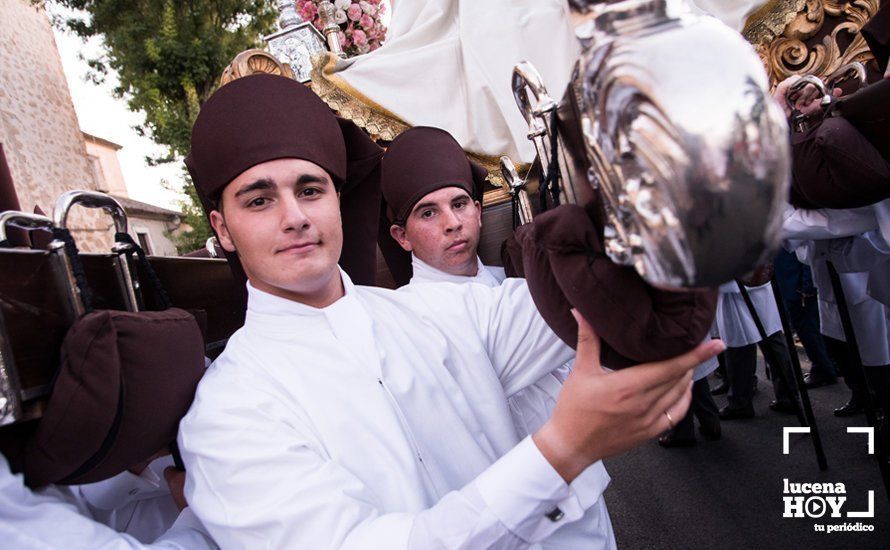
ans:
(100, 114)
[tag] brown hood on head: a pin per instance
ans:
(264, 117)
(422, 160)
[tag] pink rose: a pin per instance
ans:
(342, 37)
(354, 12)
(359, 37)
(375, 45)
(366, 22)
(308, 11)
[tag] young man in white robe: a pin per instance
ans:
(437, 218)
(353, 417)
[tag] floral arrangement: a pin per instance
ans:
(361, 30)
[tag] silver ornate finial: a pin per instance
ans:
(330, 28)
(296, 42)
(288, 14)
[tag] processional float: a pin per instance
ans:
(668, 137)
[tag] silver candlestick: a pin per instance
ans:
(296, 42)
(330, 28)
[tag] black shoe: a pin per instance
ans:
(711, 434)
(783, 407)
(850, 408)
(730, 413)
(670, 440)
(720, 389)
(818, 381)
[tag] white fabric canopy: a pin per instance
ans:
(448, 64)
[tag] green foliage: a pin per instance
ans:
(192, 216)
(169, 55)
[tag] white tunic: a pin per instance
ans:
(139, 505)
(532, 406)
(381, 421)
(54, 519)
(734, 321)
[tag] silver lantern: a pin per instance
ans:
(296, 42)
(669, 121)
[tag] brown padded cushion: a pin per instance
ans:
(869, 111)
(511, 251)
(835, 166)
(565, 265)
(125, 381)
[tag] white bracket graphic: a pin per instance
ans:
(786, 430)
(865, 430)
(870, 513)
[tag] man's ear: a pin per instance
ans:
(398, 233)
(478, 213)
(218, 222)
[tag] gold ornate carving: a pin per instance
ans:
(780, 31)
(350, 103)
(254, 61)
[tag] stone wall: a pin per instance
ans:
(38, 124)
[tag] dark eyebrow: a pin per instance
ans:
(311, 178)
(260, 184)
(422, 205)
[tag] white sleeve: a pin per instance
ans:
(852, 255)
(257, 481)
(52, 520)
(827, 223)
(520, 344)
(125, 488)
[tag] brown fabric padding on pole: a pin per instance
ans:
(511, 251)
(566, 267)
(125, 381)
(877, 35)
(835, 166)
(869, 111)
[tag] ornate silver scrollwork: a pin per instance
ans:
(296, 42)
(687, 150)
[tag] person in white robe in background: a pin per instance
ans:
(854, 240)
(138, 504)
(441, 232)
(737, 329)
(56, 517)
